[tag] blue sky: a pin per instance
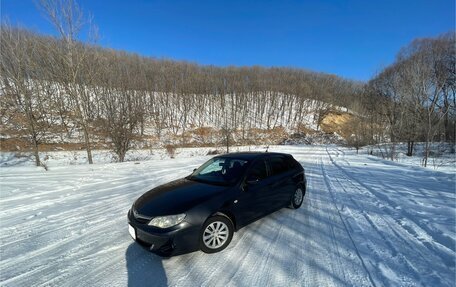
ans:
(350, 38)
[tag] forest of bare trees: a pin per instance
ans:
(60, 86)
(413, 100)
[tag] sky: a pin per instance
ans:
(353, 39)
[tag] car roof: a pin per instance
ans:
(252, 155)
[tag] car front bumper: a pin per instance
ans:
(179, 239)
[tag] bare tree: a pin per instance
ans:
(432, 74)
(21, 92)
(74, 66)
(121, 120)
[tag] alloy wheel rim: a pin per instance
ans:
(215, 235)
(298, 196)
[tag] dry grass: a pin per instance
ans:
(197, 137)
(303, 129)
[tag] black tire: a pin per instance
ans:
(296, 200)
(224, 224)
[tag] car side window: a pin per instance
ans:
(278, 165)
(258, 171)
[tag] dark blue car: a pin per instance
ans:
(204, 209)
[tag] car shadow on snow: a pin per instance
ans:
(144, 268)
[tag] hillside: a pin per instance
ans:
(61, 93)
(274, 118)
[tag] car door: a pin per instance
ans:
(281, 181)
(254, 197)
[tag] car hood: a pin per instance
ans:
(175, 197)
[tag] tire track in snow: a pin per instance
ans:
(390, 223)
(68, 216)
(328, 186)
(118, 204)
(339, 258)
(404, 214)
(76, 186)
(377, 250)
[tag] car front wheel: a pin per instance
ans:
(216, 234)
(297, 198)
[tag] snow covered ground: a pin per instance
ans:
(442, 156)
(364, 222)
(59, 158)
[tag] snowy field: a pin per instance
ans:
(442, 156)
(364, 222)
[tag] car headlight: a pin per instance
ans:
(167, 221)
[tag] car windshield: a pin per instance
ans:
(220, 170)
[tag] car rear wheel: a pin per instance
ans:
(216, 234)
(297, 198)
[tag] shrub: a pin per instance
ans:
(213, 152)
(171, 150)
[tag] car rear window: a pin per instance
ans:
(291, 162)
(278, 165)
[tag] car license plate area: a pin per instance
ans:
(132, 231)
